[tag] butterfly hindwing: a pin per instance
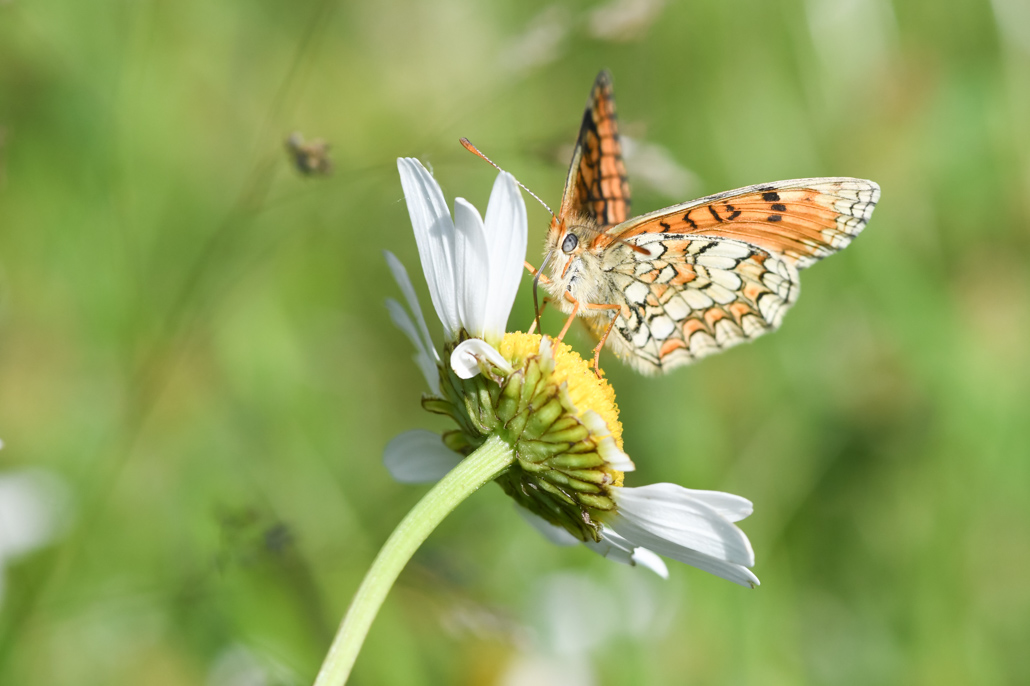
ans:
(597, 185)
(689, 297)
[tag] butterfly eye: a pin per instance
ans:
(569, 244)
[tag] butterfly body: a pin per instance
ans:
(670, 287)
(580, 273)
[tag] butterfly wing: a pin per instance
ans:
(724, 269)
(597, 185)
(804, 220)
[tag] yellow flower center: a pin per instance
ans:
(586, 391)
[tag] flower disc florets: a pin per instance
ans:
(561, 420)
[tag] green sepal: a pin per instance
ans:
(538, 451)
(573, 434)
(430, 403)
(457, 441)
(576, 461)
(559, 473)
(542, 418)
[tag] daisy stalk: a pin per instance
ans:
(529, 414)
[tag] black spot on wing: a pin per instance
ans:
(690, 221)
(771, 196)
(686, 217)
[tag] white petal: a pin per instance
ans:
(466, 358)
(610, 452)
(473, 269)
(555, 534)
(612, 546)
(419, 456)
(546, 361)
(738, 574)
(400, 275)
(434, 234)
(649, 560)
(732, 507)
(616, 548)
(661, 515)
(607, 448)
(595, 423)
(506, 237)
(425, 363)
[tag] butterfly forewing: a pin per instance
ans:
(804, 220)
(597, 185)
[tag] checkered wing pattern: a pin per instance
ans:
(723, 270)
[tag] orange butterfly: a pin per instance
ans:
(672, 286)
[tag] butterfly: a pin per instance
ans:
(669, 287)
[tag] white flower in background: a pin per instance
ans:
(32, 505)
(238, 665)
(555, 650)
(652, 165)
(543, 41)
(544, 400)
(624, 20)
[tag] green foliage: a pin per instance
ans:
(192, 335)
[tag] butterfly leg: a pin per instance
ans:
(604, 338)
(568, 322)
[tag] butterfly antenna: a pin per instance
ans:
(475, 151)
(536, 282)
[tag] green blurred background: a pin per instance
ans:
(196, 361)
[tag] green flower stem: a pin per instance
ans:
(481, 467)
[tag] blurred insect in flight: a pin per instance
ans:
(310, 158)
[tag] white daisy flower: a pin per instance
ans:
(546, 402)
(530, 414)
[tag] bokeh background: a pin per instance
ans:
(198, 376)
